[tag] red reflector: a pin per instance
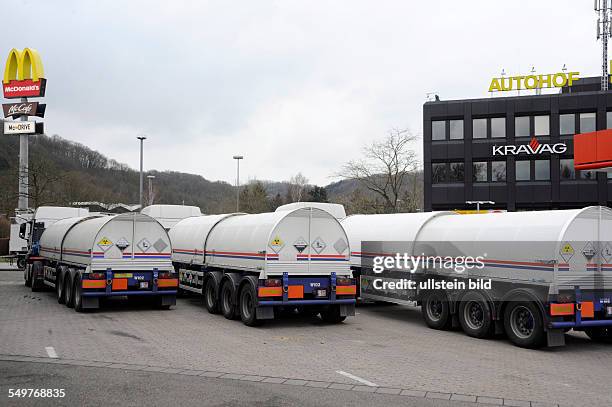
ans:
(561, 309)
(273, 282)
(165, 274)
(97, 276)
(344, 281)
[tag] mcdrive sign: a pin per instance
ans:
(24, 75)
(533, 148)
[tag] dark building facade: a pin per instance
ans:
(515, 151)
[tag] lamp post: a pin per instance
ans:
(150, 178)
(142, 139)
(238, 158)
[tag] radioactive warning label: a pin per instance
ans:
(567, 252)
(276, 244)
(105, 244)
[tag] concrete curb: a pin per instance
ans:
(466, 398)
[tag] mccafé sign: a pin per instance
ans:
(551, 80)
(24, 75)
(533, 148)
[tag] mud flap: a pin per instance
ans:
(555, 337)
(264, 312)
(347, 310)
(167, 300)
(90, 302)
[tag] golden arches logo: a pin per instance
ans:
(23, 64)
(24, 75)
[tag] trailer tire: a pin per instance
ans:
(600, 334)
(60, 290)
(435, 310)
(69, 288)
(226, 299)
(248, 306)
(211, 297)
(36, 271)
(524, 324)
(27, 276)
(78, 294)
(475, 315)
(332, 315)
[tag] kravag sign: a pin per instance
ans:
(533, 148)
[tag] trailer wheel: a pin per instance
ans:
(69, 289)
(211, 299)
(59, 286)
(36, 272)
(600, 334)
(228, 308)
(475, 315)
(248, 306)
(435, 310)
(27, 276)
(332, 315)
(77, 293)
(524, 325)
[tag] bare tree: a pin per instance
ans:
(385, 167)
(297, 187)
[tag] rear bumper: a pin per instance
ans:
(268, 303)
(122, 293)
(581, 324)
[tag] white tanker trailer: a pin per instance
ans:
(88, 258)
(247, 265)
(550, 271)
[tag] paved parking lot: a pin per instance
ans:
(385, 346)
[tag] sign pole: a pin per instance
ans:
(23, 166)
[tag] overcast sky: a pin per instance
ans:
(291, 85)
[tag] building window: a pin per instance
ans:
(456, 129)
(438, 173)
(542, 170)
(479, 171)
(479, 128)
(567, 123)
(523, 170)
(521, 126)
(587, 122)
(457, 173)
(608, 123)
(498, 127)
(498, 171)
(541, 125)
(587, 175)
(438, 130)
(567, 170)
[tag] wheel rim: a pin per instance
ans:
(226, 299)
(473, 315)
(434, 309)
(522, 322)
(210, 300)
(246, 304)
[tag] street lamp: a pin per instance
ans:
(238, 158)
(142, 139)
(478, 203)
(150, 178)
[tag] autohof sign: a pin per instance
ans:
(23, 128)
(24, 75)
(16, 110)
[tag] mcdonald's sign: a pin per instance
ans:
(24, 75)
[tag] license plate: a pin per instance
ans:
(609, 311)
(321, 293)
(122, 275)
(144, 284)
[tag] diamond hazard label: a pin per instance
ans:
(122, 244)
(300, 244)
(144, 245)
(589, 251)
(318, 245)
(567, 252)
(606, 252)
(276, 244)
(105, 244)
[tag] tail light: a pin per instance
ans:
(97, 276)
(344, 281)
(273, 282)
(165, 275)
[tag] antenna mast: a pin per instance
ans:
(604, 12)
